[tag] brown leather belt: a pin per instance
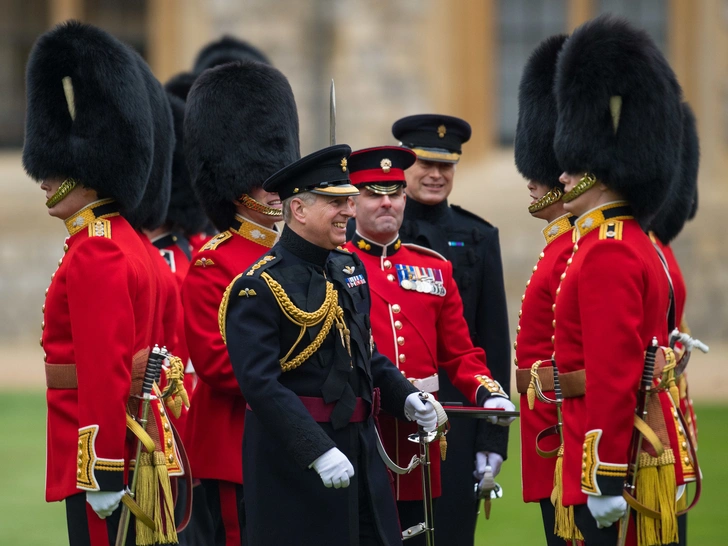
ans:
(63, 376)
(545, 374)
(573, 384)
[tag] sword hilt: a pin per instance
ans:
(649, 370)
(153, 371)
(557, 384)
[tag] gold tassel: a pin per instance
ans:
(443, 447)
(565, 526)
(531, 395)
(147, 496)
(164, 518)
(656, 490)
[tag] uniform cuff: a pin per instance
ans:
(598, 477)
(94, 473)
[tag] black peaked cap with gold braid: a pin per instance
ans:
(241, 126)
(619, 113)
(433, 137)
(682, 200)
(534, 145)
(88, 116)
(151, 213)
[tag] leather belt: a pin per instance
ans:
(426, 384)
(545, 374)
(573, 384)
(61, 376)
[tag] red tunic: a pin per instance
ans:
(97, 315)
(533, 342)
(216, 419)
(419, 332)
(612, 301)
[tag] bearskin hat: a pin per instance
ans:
(152, 211)
(619, 114)
(670, 219)
(534, 146)
(241, 126)
(226, 50)
(185, 213)
(88, 115)
(180, 85)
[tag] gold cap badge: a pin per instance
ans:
(441, 130)
(343, 164)
(385, 164)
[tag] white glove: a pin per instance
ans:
(606, 509)
(334, 468)
(422, 412)
(104, 502)
(487, 458)
(498, 402)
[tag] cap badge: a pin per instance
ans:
(385, 164)
(441, 131)
(343, 164)
(295, 190)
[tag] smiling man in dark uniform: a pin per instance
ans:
(298, 334)
(472, 245)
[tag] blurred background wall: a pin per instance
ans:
(389, 59)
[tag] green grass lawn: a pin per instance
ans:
(27, 520)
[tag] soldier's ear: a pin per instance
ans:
(299, 210)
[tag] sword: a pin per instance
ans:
(154, 368)
(636, 444)
(332, 114)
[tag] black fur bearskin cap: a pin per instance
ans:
(226, 50)
(88, 116)
(619, 113)
(152, 211)
(534, 146)
(185, 212)
(670, 219)
(241, 126)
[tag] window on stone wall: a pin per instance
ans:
(522, 25)
(650, 15)
(20, 24)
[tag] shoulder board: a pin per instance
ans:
(261, 265)
(216, 241)
(611, 230)
(424, 250)
(344, 256)
(342, 250)
(461, 210)
(101, 227)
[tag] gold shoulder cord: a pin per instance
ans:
(222, 310)
(329, 312)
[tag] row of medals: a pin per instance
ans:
(424, 286)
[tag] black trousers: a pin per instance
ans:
(200, 528)
(227, 511)
(85, 528)
(411, 513)
(548, 515)
(592, 535)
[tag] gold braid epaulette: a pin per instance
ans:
(328, 312)
(222, 310)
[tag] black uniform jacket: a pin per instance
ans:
(286, 502)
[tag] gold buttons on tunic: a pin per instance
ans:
(60, 262)
(397, 325)
(518, 329)
(552, 339)
(540, 256)
(576, 247)
(65, 248)
(402, 358)
(400, 340)
(553, 323)
(563, 276)
(535, 268)
(40, 341)
(568, 262)
(553, 307)
(396, 308)
(390, 277)
(387, 264)
(515, 345)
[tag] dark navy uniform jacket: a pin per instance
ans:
(286, 502)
